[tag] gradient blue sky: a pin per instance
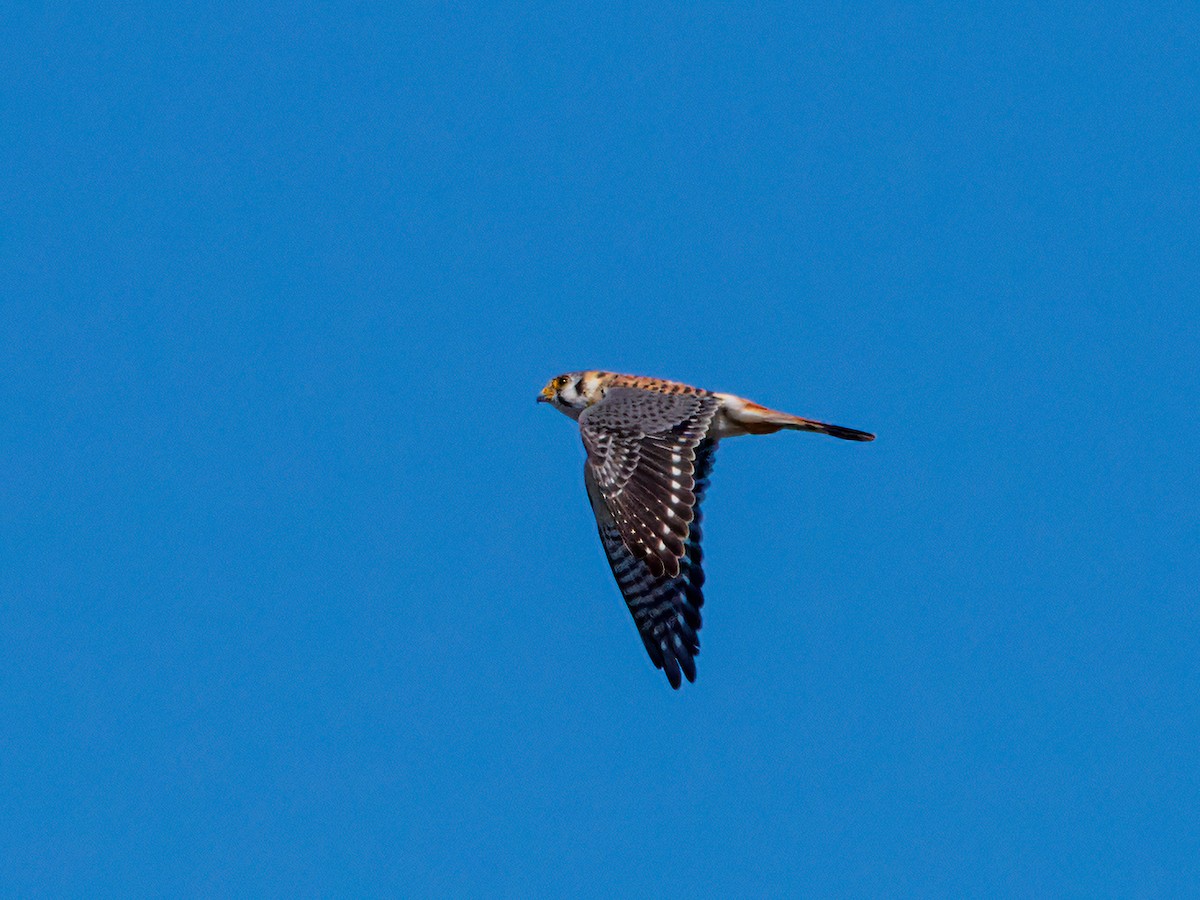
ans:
(300, 591)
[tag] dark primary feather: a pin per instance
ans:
(665, 608)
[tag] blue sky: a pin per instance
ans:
(300, 591)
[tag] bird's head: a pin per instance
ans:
(573, 392)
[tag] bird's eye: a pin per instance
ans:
(560, 381)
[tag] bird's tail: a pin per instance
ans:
(756, 419)
(798, 423)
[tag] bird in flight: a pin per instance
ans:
(650, 446)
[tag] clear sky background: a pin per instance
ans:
(300, 592)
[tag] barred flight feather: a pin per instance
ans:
(665, 607)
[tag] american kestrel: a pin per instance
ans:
(650, 446)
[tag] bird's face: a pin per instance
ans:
(573, 392)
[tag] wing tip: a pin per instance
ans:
(678, 660)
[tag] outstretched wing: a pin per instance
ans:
(665, 608)
(647, 468)
(641, 448)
